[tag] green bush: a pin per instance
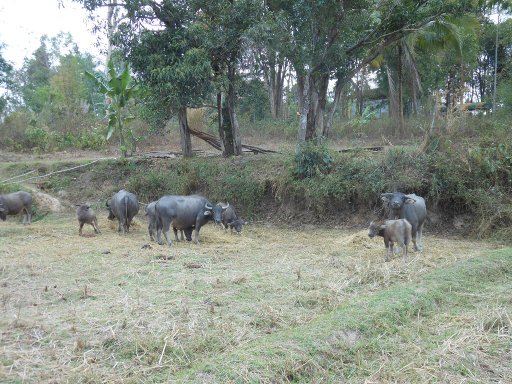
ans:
(312, 158)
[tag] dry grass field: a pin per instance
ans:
(109, 308)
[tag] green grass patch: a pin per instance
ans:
(350, 342)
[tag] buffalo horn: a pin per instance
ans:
(208, 206)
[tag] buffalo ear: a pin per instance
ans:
(385, 197)
(383, 226)
(207, 213)
(410, 201)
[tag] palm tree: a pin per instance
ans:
(400, 60)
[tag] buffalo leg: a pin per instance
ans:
(166, 228)
(95, 226)
(419, 236)
(175, 230)
(386, 243)
(195, 236)
(414, 237)
(80, 229)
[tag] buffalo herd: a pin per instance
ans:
(405, 216)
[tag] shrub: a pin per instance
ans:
(312, 158)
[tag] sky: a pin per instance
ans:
(23, 22)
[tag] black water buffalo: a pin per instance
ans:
(123, 206)
(86, 215)
(182, 212)
(409, 207)
(151, 214)
(230, 219)
(14, 203)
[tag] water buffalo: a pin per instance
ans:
(14, 203)
(86, 215)
(151, 214)
(409, 207)
(182, 212)
(123, 206)
(393, 231)
(230, 219)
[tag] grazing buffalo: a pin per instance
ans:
(86, 215)
(409, 207)
(393, 231)
(14, 203)
(230, 219)
(123, 206)
(182, 212)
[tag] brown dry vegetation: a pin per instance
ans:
(110, 308)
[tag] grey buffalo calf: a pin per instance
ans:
(409, 207)
(124, 206)
(86, 215)
(14, 203)
(393, 231)
(230, 219)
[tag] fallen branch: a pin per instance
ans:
(215, 143)
(15, 177)
(56, 172)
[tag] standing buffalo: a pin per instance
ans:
(393, 231)
(123, 206)
(182, 212)
(151, 214)
(86, 215)
(14, 203)
(409, 207)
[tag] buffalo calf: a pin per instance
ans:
(86, 215)
(393, 231)
(230, 219)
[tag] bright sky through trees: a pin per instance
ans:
(22, 23)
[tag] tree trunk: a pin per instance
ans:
(304, 99)
(231, 97)
(301, 87)
(220, 121)
(313, 102)
(186, 143)
(400, 96)
(337, 95)
(227, 133)
(321, 90)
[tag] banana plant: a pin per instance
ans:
(118, 90)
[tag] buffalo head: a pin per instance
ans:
(395, 202)
(217, 212)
